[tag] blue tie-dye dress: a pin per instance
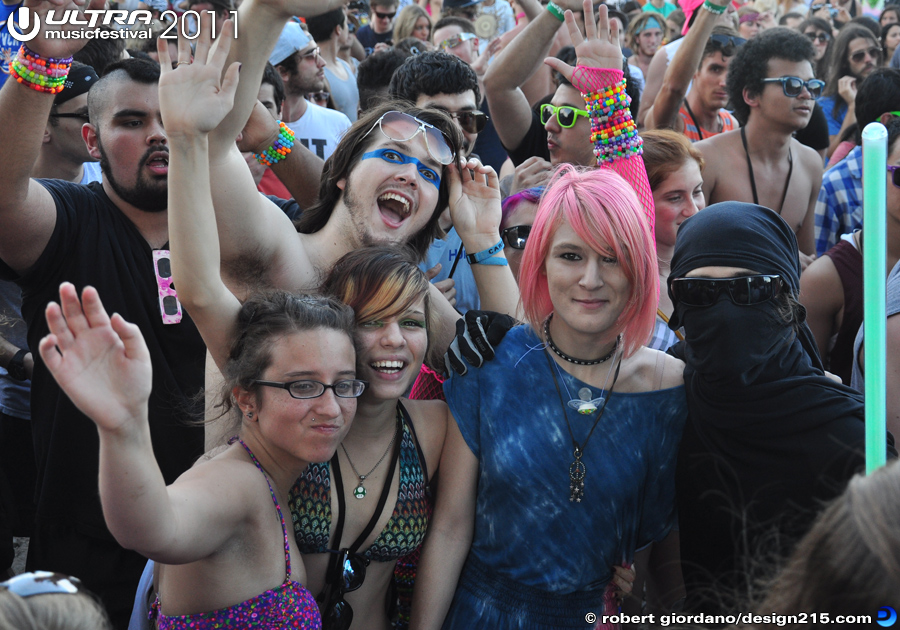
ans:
(539, 561)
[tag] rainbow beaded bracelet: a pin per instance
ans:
(613, 131)
(279, 149)
(43, 74)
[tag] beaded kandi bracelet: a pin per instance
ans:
(613, 131)
(44, 74)
(279, 149)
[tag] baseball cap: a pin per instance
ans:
(292, 39)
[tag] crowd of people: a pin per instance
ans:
(443, 314)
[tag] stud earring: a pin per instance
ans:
(249, 415)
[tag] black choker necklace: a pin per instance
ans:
(565, 357)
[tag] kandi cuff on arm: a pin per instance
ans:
(43, 74)
(617, 144)
(279, 149)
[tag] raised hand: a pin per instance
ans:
(598, 47)
(61, 47)
(302, 8)
(101, 363)
(193, 97)
(475, 203)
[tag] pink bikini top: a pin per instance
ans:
(288, 606)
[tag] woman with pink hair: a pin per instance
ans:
(559, 465)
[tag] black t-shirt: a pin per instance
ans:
(368, 38)
(815, 134)
(94, 243)
(488, 145)
(534, 143)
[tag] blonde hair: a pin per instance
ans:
(54, 611)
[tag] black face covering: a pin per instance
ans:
(768, 434)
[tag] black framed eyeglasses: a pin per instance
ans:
(42, 583)
(822, 37)
(860, 55)
(350, 388)
(83, 117)
(566, 115)
(516, 236)
(351, 573)
(471, 121)
(793, 86)
(743, 291)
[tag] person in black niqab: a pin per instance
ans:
(769, 436)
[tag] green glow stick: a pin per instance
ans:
(874, 139)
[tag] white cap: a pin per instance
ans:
(292, 39)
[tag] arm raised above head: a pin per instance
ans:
(27, 211)
(248, 224)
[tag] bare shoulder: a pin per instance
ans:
(820, 281)
(808, 157)
(429, 417)
(651, 370)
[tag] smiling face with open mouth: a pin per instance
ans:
(392, 193)
(391, 351)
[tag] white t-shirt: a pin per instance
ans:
(92, 173)
(320, 129)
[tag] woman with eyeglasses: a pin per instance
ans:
(769, 436)
(515, 226)
(360, 509)
(559, 463)
(819, 33)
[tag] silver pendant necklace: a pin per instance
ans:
(577, 469)
(359, 491)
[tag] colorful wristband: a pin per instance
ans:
(713, 8)
(43, 74)
(556, 11)
(485, 255)
(613, 132)
(279, 149)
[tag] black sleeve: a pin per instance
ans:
(815, 134)
(534, 143)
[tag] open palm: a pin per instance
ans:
(193, 97)
(102, 364)
(597, 47)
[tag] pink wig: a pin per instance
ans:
(605, 212)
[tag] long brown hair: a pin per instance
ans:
(347, 155)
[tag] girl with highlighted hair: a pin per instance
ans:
(559, 464)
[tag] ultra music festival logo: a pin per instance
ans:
(24, 24)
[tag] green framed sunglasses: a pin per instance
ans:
(566, 115)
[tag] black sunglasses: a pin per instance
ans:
(516, 236)
(728, 40)
(351, 569)
(471, 121)
(385, 16)
(822, 37)
(793, 86)
(859, 56)
(743, 291)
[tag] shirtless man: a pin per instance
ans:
(702, 61)
(772, 85)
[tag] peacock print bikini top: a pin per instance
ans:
(288, 606)
(310, 502)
